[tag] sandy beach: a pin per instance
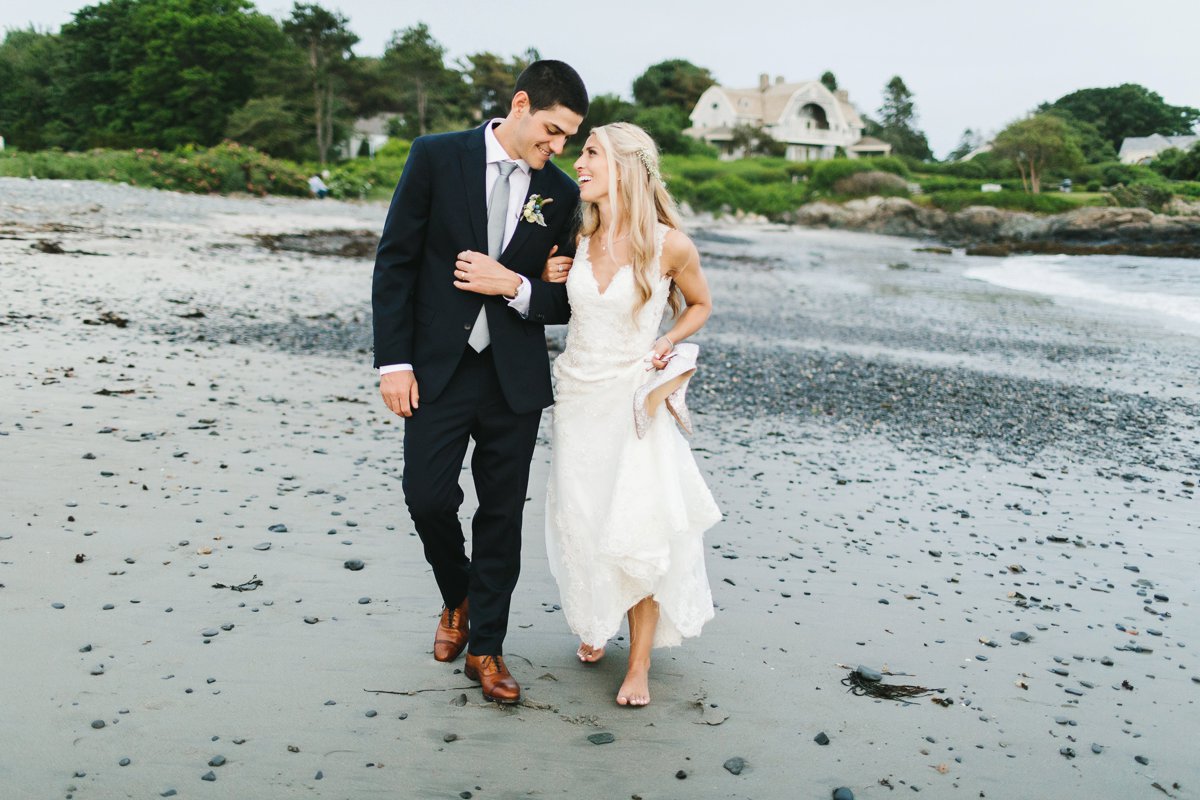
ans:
(914, 466)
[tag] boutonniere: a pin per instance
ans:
(534, 208)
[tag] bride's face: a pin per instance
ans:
(592, 169)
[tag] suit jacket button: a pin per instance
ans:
(468, 326)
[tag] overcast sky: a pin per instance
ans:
(970, 64)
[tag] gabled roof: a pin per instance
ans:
(767, 106)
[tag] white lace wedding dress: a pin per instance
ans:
(625, 516)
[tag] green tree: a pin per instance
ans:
(606, 108)
(268, 124)
(161, 72)
(970, 141)
(1178, 165)
(676, 83)
(1126, 110)
(428, 93)
(753, 140)
(665, 125)
(829, 80)
(1036, 145)
(30, 89)
(897, 123)
(326, 40)
(492, 79)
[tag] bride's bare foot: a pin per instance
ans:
(589, 654)
(635, 691)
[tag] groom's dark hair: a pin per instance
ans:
(553, 83)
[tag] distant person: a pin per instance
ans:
(318, 187)
(626, 506)
(459, 308)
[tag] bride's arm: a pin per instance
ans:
(681, 261)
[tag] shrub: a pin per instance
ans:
(1020, 201)
(866, 184)
(1141, 195)
(827, 173)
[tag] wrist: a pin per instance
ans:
(515, 283)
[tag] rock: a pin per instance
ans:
(209, 776)
(97, 724)
(450, 737)
(1141, 760)
(735, 765)
(217, 761)
(681, 775)
(168, 793)
(842, 793)
(354, 565)
(311, 620)
(868, 674)
(278, 528)
(601, 738)
(263, 546)
(1020, 636)
(821, 739)
(209, 632)
(319, 775)
(1068, 752)
(124, 762)
(1097, 749)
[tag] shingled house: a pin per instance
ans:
(810, 120)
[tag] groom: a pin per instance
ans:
(459, 310)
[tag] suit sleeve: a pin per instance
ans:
(397, 260)
(548, 303)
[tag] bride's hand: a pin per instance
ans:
(660, 353)
(557, 268)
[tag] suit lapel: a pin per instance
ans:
(474, 166)
(537, 182)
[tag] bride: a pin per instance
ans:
(625, 514)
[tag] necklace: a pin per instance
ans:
(604, 242)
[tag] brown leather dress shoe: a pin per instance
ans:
(452, 631)
(499, 685)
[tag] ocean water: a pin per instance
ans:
(1164, 288)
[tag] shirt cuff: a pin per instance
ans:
(520, 303)
(394, 368)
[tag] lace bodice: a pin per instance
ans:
(604, 335)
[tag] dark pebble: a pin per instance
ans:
(735, 765)
(1019, 636)
(278, 528)
(1097, 749)
(1141, 760)
(57, 605)
(209, 776)
(1069, 752)
(465, 795)
(362, 601)
(311, 620)
(601, 738)
(372, 713)
(319, 775)
(450, 737)
(168, 793)
(217, 761)
(263, 546)
(354, 565)
(97, 724)
(87, 648)
(842, 793)
(681, 775)
(821, 739)
(124, 762)
(209, 632)
(935, 553)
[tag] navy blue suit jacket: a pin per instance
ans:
(420, 318)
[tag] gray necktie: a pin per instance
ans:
(497, 218)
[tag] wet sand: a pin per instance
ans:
(913, 467)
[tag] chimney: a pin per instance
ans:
(843, 95)
(764, 82)
(778, 80)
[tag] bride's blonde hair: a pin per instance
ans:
(639, 200)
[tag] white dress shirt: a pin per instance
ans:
(518, 187)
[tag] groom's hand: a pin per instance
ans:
(399, 390)
(479, 273)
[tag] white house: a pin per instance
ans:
(810, 120)
(1143, 149)
(372, 130)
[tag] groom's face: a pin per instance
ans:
(542, 134)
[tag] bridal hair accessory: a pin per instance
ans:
(532, 212)
(668, 385)
(647, 160)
